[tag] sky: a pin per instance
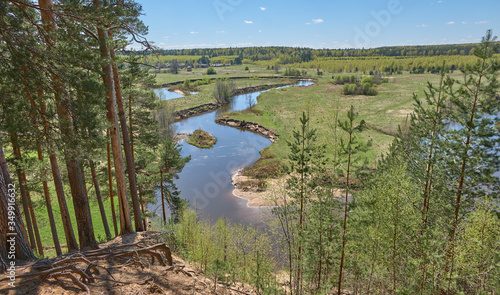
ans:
(317, 24)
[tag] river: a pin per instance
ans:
(206, 180)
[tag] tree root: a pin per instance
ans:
(81, 267)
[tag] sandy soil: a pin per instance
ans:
(271, 196)
(255, 198)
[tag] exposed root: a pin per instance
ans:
(81, 267)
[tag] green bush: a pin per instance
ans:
(246, 68)
(368, 79)
(292, 72)
(211, 71)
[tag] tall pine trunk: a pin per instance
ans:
(80, 201)
(125, 224)
(110, 183)
(11, 227)
(99, 199)
(71, 243)
(126, 141)
(24, 193)
(46, 193)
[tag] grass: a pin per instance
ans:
(44, 225)
(202, 139)
(280, 109)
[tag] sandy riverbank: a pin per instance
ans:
(247, 188)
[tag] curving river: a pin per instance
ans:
(206, 180)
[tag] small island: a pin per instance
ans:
(202, 139)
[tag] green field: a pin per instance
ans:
(280, 110)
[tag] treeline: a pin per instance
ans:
(418, 59)
(77, 124)
(306, 54)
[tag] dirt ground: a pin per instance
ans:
(117, 276)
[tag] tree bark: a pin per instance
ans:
(33, 217)
(81, 205)
(63, 206)
(48, 203)
(126, 141)
(4, 169)
(11, 226)
(22, 188)
(125, 224)
(111, 197)
(99, 200)
(80, 201)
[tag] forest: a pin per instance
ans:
(80, 125)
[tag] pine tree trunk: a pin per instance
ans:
(162, 198)
(48, 203)
(11, 227)
(33, 217)
(99, 200)
(22, 188)
(80, 201)
(71, 243)
(126, 141)
(111, 197)
(81, 205)
(125, 224)
(142, 208)
(69, 234)
(46, 193)
(4, 169)
(345, 218)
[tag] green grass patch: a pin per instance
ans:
(280, 110)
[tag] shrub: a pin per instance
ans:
(223, 91)
(211, 71)
(368, 79)
(292, 72)
(246, 68)
(186, 84)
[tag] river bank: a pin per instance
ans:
(209, 107)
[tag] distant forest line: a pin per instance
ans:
(392, 59)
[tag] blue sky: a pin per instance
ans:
(317, 24)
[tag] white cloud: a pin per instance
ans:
(193, 32)
(450, 23)
(260, 31)
(464, 23)
(262, 8)
(482, 22)
(423, 26)
(248, 22)
(308, 23)
(220, 32)
(243, 44)
(318, 20)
